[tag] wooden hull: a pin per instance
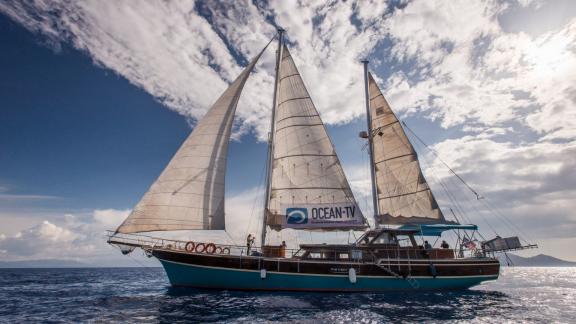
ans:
(244, 273)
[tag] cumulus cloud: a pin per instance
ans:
(466, 69)
(71, 237)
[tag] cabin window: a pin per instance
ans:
(315, 255)
(405, 242)
(356, 254)
(383, 239)
(343, 256)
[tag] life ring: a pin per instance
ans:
(226, 250)
(200, 247)
(189, 246)
(210, 248)
(218, 250)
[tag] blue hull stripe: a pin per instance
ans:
(188, 275)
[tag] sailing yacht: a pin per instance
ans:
(306, 190)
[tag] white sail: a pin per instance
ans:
(308, 187)
(403, 194)
(189, 194)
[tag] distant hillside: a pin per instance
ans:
(51, 263)
(540, 260)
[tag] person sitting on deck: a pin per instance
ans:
(427, 246)
(444, 245)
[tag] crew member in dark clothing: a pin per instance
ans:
(444, 245)
(249, 243)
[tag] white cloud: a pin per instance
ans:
(110, 218)
(468, 69)
(50, 232)
(70, 236)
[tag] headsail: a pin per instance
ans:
(403, 193)
(308, 187)
(189, 194)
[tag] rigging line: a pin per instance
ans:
(514, 228)
(256, 199)
(230, 237)
(455, 199)
(506, 222)
(491, 208)
(451, 197)
(133, 258)
(436, 154)
(479, 212)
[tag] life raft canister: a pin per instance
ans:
(189, 246)
(210, 248)
(200, 247)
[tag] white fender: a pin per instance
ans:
(262, 273)
(352, 275)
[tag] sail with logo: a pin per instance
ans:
(305, 190)
(308, 187)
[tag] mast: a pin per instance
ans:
(271, 138)
(370, 142)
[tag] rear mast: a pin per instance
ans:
(271, 138)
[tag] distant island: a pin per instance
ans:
(540, 260)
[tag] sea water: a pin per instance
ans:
(141, 295)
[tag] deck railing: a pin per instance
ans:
(353, 252)
(149, 243)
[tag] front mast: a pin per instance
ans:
(370, 142)
(271, 139)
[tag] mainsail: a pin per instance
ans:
(308, 188)
(189, 194)
(404, 196)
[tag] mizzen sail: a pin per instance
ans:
(309, 189)
(189, 194)
(403, 193)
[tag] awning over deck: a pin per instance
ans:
(437, 229)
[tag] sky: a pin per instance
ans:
(96, 96)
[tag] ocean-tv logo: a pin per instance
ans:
(296, 215)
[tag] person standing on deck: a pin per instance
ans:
(249, 243)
